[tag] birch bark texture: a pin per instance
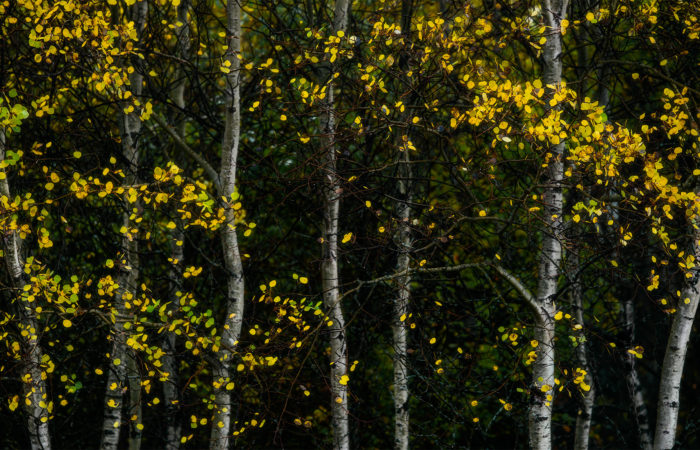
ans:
(329, 264)
(674, 359)
(401, 303)
(170, 386)
(34, 386)
(235, 294)
(123, 374)
(542, 388)
(587, 400)
(634, 386)
(402, 298)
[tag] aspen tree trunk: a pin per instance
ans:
(329, 268)
(634, 386)
(542, 395)
(170, 365)
(135, 409)
(132, 154)
(674, 359)
(127, 281)
(183, 52)
(221, 423)
(641, 416)
(170, 386)
(403, 295)
(123, 372)
(33, 385)
(403, 290)
(585, 413)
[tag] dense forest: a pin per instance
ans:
(349, 224)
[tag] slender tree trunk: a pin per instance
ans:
(639, 408)
(674, 359)
(403, 295)
(124, 370)
(121, 371)
(170, 386)
(235, 296)
(34, 386)
(135, 408)
(329, 269)
(542, 389)
(131, 152)
(183, 52)
(170, 366)
(403, 289)
(585, 413)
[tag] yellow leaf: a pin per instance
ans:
(347, 238)
(14, 402)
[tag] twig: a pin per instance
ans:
(213, 175)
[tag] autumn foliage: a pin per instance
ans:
(349, 224)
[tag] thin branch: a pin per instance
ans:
(456, 268)
(512, 279)
(213, 175)
(522, 290)
(653, 71)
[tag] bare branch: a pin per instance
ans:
(213, 175)
(522, 290)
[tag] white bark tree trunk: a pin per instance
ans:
(639, 408)
(170, 386)
(329, 269)
(403, 289)
(34, 386)
(235, 295)
(403, 295)
(135, 408)
(542, 388)
(170, 394)
(674, 359)
(171, 399)
(124, 371)
(121, 371)
(585, 413)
